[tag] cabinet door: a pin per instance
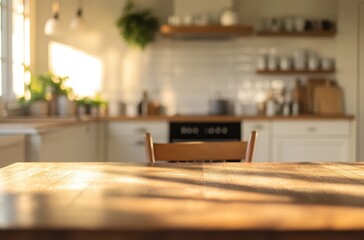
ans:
(68, 144)
(125, 140)
(296, 149)
(263, 146)
(12, 150)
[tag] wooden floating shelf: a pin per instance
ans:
(206, 30)
(298, 34)
(295, 72)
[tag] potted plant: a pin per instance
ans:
(83, 106)
(137, 27)
(91, 106)
(98, 106)
(36, 96)
(62, 96)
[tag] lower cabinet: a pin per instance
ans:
(300, 140)
(125, 140)
(263, 146)
(303, 141)
(12, 150)
(78, 143)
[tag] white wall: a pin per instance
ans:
(187, 74)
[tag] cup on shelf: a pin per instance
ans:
(187, 20)
(262, 63)
(272, 63)
(299, 24)
(313, 63)
(300, 60)
(174, 20)
(202, 20)
(288, 24)
(327, 25)
(327, 64)
(275, 25)
(285, 63)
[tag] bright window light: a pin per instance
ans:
(84, 71)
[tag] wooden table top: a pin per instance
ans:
(196, 201)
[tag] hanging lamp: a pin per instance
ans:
(52, 26)
(77, 22)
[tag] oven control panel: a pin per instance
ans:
(204, 131)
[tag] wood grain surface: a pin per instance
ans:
(182, 201)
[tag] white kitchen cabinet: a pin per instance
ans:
(125, 140)
(263, 143)
(12, 150)
(303, 141)
(78, 143)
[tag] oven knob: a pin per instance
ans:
(211, 131)
(189, 131)
(218, 131)
(195, 130)
(224, 130)
(183, 131)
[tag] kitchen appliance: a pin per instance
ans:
(204, 131)
(220, 107)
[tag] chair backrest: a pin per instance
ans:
(200, 151)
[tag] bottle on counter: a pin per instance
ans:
(271, 105)
(286, 108)
(298, 98)
(143, 104)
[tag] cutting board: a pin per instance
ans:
(311, 85)
(328, 99)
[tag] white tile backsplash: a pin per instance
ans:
(186, 74)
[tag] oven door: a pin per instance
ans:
(204, 131)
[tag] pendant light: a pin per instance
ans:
(77, 21)
(52, 26)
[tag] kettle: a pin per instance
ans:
(220, 107)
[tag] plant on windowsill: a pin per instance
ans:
(37, 96)
(137, 27)
(46, 94)
(94, 107)
(62, 96)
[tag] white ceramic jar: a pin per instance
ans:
(327, 64)
(313, 63)
(299, 24)
(285, 63)
(262, 63)
(229, 18)
(300, 60)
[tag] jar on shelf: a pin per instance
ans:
(229, 17)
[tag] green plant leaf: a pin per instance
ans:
(137, 28)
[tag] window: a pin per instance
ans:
(15, 47)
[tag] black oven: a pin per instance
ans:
(204, 131)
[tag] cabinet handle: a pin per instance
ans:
(139, 143)
(311, 129)
(141, 130)
(259, 127)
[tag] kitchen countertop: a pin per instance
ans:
(228, 118)
(39, 125)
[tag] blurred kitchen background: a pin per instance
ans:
(185, 74)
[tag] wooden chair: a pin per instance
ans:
(200, 151)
